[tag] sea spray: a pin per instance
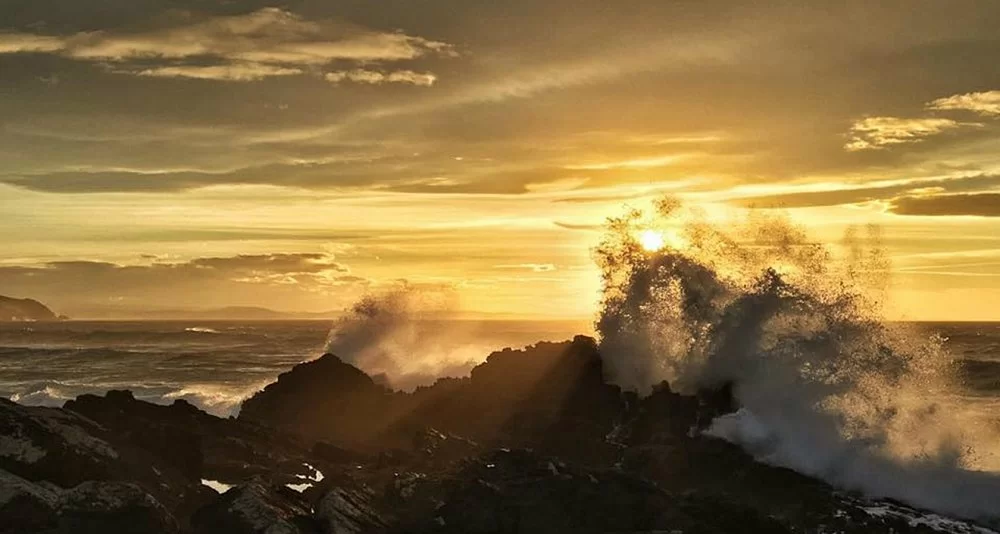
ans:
(397, 335)
(827, 387)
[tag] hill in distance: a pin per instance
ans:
(24, 310)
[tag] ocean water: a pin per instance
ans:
(214, 365)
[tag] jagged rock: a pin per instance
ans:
(54, 445)
(196, 444)
(349, 511)
(122, 508)
(168, 432)
(66, 449)
(521, 491)
(512, 399)
(440, 448)
(256, 508)
(566, 453)
(24, 506)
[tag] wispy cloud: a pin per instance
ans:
(245, 72)
(264, 43)
(374, 77)
(873, 133)
(975, 204)
(985, 103)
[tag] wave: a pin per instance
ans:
(202, 330)
(387, 335)
(827, 387)
(216, 399)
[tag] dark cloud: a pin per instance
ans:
(975, 204)
(574, 226)
(865, 194)
(135, 110)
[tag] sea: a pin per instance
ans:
(214, 365)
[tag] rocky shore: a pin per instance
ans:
(534, 441)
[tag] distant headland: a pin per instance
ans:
(25, 310)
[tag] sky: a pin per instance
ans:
(182, 154)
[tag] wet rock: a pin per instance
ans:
(122, 508)
(54, 445)
(25, 506)
(256, 508)
(350, 511)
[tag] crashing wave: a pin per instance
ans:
(827, 387)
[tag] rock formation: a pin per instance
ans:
(534, 441)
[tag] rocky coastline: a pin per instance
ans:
(534, 441)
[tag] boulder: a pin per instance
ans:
(122, 508)
(343, 510)
(324, 400)
(53, 445)
(256, 508)
(26, 506)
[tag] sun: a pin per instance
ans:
(651, 240)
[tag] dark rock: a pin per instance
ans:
(256, 508)
(54, 445)
(435, 446)
(333, 454)
(196, 444)
(514, 398)
(533, 441)
(325, 399)
(520, 491)
(122, 508)
(25, 506)
(349, 511)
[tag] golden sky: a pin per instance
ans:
(193, 154)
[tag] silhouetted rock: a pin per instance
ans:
(515, 397)
(534, 441)
(325, 399)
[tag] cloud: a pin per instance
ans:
(974, 204)
(245, 72)
(880, 132)
(985, 103)
(374, 77)
(264, 43)
(271, 263)
(868, 192)
(14, 43)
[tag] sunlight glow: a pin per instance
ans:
(651, 240)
